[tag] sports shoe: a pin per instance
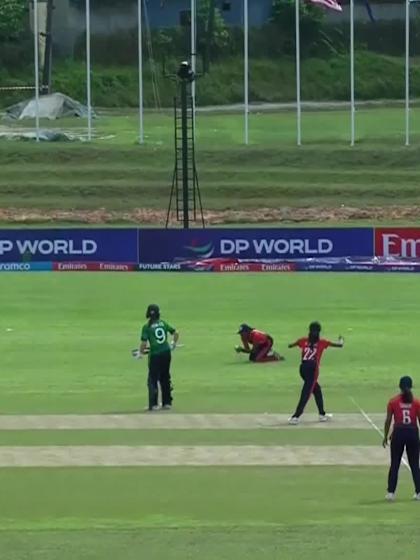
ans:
(166, 407)
(417, 497)
(293, 421)
(325, 417)
(152, 409)
(278, 356)
(390, 497)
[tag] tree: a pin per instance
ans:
(12, 18)
(311, 26)
(212, 33)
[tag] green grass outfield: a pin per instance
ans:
(225, 129)
(69, 348)
(65, 342)
(118, 175)
(211, 513)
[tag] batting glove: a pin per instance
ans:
(137, 355)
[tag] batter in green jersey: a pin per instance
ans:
(156, 334)
(154, 340)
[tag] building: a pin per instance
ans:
(69, 16)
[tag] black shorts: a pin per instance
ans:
(159, 365)
(307, 368)
(406, 435)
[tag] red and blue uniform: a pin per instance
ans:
(406, 415)
(405, 436)
(261, 343)
(311, 354)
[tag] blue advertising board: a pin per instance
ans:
(26, 267)
(157, 246)
(66, 245)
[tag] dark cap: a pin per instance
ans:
(244, 328)
(315, 327)
(152, 311)
(406, 382)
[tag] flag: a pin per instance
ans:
(369, 11)
(331, 4)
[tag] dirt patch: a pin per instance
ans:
(173, 421)
(145, 216)
(196, 456)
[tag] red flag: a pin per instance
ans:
(331, 4)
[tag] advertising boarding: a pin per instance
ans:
(69, 245)
(166, 246)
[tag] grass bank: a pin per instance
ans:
(118, 175)
(378, 77)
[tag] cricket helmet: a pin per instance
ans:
(153, 311)
(244, 328)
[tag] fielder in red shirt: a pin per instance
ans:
(258, 344)
(312, 348)
(404, 409)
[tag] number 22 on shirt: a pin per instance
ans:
(309, 354)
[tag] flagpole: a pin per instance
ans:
(140, 45)
(407, 72)
(88, 72)
(193, 47)
(298, 99)
(246, 73)
(352, 103)
(36, 61)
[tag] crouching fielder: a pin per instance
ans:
(257, 344)
(405, 410)
(312, 348)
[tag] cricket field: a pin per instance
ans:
(86, 475)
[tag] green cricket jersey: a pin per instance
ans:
(156, 335)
